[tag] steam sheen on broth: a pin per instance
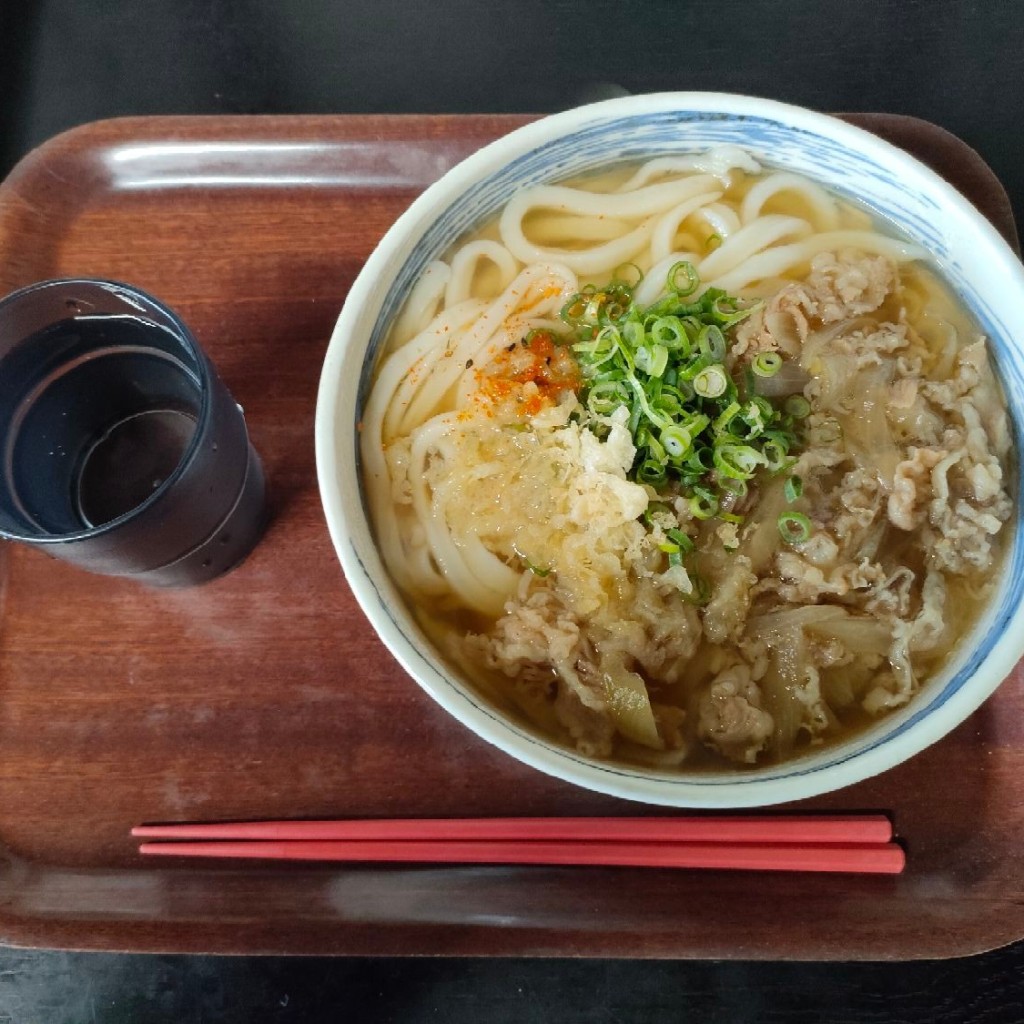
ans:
(716, 507)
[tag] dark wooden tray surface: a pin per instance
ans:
(267, 694)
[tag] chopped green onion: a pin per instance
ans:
(670, 332)
(674, 558)
(683, 542)
(646, 439)
(628, 274)
(701, 592)
(795, 527)
(592, 310)
(711, 342)
(652, 361)
(767, 364)
(754, 416)
(711, 381)
(723, 309)
(632, 334)
(774, 455)
(683, 278)
(677, 440)
(713, 241)
(573, 309)
(536, 569)
(797, 406)
(730, 517)
(793, 488)
(590, 307)
(652, 472)
(726, 416)
(780, 437)
(700, 461)
(697, 433)
(703, 504)
(606, 396)
(734, 485)
(739, 461)
(653, 509)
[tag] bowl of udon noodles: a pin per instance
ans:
(669, 444)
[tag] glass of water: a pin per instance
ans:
(122, 450)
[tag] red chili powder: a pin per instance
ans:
(535, 360)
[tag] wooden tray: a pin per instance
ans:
(266, 693)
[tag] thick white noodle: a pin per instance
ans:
(721, 219)
(553, 230)
(427, 441)
(753, 238)
(645, 203)
(488, 568)
(395, 371)
(465, 264)
(403, 549)
(422, 303)
(663, 237)
(826, 209)
(405, 371)
(477, 577)
(719, 161)
(776, 261)
(595, 261)
(423, 576)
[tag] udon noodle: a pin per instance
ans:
(688, 464)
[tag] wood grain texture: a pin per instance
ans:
(266, 693)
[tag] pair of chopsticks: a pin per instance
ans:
(859, 844)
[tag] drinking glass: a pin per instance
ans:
(123, 451)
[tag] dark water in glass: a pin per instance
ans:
(130, 462)
(121, 449)
(104, 421)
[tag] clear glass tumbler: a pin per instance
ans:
(122, 450)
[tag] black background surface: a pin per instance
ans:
(64, 62)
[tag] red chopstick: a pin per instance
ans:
(866, 858)
(836, 843)
(802, 829)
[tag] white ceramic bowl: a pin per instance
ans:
(917, 203)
